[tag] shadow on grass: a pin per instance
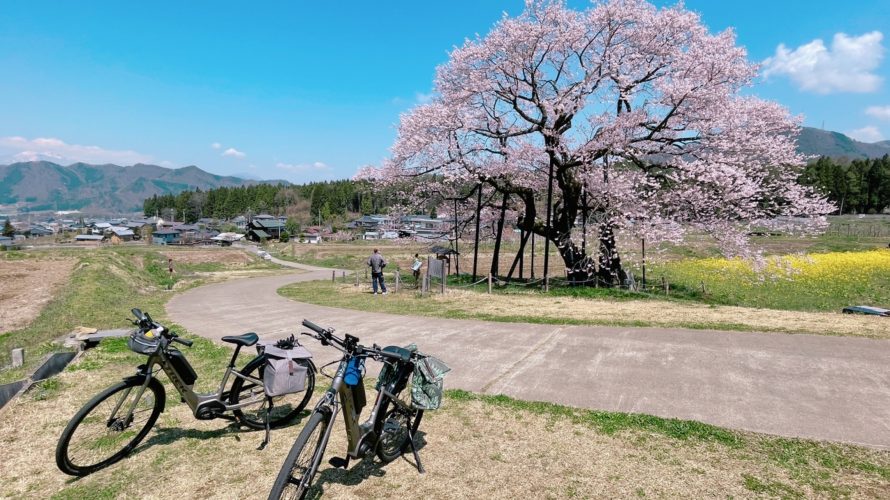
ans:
(368, 467)
(167, 435)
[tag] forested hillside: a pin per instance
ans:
(308, 202)
(859, 186)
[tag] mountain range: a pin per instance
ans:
(817, 142)
(43, 185)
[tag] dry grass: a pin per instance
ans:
(473, 448)
(26, 286)
(537, 308)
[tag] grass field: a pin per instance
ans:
(104, 285)
(531, 307)
(476, 446)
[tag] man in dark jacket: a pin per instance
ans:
(376, 262)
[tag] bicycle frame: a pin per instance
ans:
(204, 406)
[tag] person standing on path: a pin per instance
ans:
(415, 268)
(376, 262)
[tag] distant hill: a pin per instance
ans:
(43, 185)
(813, 141)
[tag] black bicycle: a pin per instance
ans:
(389, 430)
(114, 422)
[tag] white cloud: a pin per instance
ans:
(216, 145)
(234, 153)
(303, 167)
(866, 134)
(845, 67)
(57, 150)
(880, 112)
(421, 98)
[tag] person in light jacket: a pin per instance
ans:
(376, 262)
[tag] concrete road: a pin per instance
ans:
(819, 387)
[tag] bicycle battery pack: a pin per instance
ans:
(182, 366)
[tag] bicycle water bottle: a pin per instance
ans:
(353, 374)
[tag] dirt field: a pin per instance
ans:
(26, 286)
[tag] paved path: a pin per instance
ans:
(820, 387)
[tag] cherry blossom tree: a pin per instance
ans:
(633, 116)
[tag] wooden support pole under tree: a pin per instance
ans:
(532, 274)
(643, 241)
(476, 242)
(522, 237)
(397, 280)
(518, 259)
(489, 283)
(549, 224)
(456, 238)
(333, 276)
(497, 241)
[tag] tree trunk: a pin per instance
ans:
(497, 242)
(610, 272)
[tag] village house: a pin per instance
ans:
(165, 236)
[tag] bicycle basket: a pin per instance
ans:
(427, 384)
(144, 342)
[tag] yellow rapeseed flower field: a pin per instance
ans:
(813, 281)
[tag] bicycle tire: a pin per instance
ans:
(285, 409)
(286, 485)
(392, 434)
(115, 429)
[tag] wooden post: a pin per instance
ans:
(489, 283)
(293, 249)
(356, 278)
(476, 242)
(703, 292)
(333, 276)
(344, 276)
(18, 357)
(397, 281)
(522, 236)
(533, 257)
(643, 241)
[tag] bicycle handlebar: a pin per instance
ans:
(313, 326)
(187, 343)
(328, 338)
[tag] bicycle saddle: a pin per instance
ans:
(244, 340)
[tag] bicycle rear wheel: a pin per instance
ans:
(285, 408)
(295, 477)
(108, 427)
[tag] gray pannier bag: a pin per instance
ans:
(283, 374)
(427, 384)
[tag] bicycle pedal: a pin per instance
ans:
(340, 463)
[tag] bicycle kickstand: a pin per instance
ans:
(266, 439)
(412, 428)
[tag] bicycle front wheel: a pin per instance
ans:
(108, 427)
(295, 477)
(284, 408)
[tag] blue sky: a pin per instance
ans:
(313, 90)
